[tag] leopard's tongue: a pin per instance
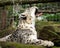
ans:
(39, 14)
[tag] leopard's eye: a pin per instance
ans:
(24, 18)
(23, 15)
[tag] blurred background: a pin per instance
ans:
(47, 25)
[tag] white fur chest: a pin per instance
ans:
(24, 25)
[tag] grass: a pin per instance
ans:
(55, 47)
(18, 45)
(41, 24)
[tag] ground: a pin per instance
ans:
(18, 45)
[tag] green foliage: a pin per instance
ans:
(48, 31)
(18, 45)
(16, 20)
(6, 31)
(40, 24)
(9, 10)
(55, 47)
(55, 17)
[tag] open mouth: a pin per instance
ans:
(37, 13)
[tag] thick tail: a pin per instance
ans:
(45, 43)
(5, 38)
